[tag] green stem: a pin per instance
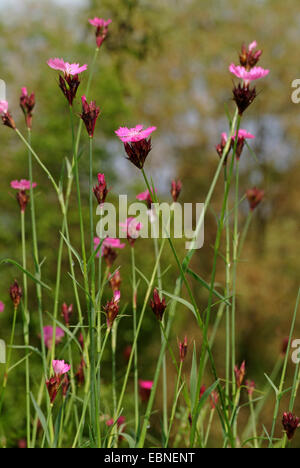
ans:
(11, 342)
(26, 328)
(176, 396)
(283, 373)
(135, 364)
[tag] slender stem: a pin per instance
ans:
(253, 421)
(227, 292)
(234, 274)
(176, 396)
(211, 417)
(135, 364)
(11, 342)
(283, 373)
(26, 328)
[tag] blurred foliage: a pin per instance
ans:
(164, 63)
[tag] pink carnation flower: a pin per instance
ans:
(132, 228)
(252, 46)
(66, 67)
(60, 367)
(108, 242)
(145, 389)
(99, 22)
(48, 335)
(254, 74)
(2, 307)
(131, 135)
(243, 134)
(3, 107)
(23, 184)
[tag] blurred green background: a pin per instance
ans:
(165, 63)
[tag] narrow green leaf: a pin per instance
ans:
(30, 275)
(41, 418)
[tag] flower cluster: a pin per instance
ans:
(101, 29)
(27, 104)
(158, 305)
(112, 309)
(137, 143)
(69, 82)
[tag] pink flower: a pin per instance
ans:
(3, 107)
(101, 29)
(145, 389)
(147, 197)
(131, 135)
(66, 67)
(100, 190)
(132, 228)
(99, 22)
(23, 184)
(5, 115)
(108, 242)
(243, 134)
(254, 74)
(27, 104)
(89, 115)
(2, 307)
(112, 309)
(60, 367)
(48, 335)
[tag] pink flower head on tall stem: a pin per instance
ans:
(2, 307)
(132, 228)
(243, 135)
(158, 305)
(89, 115)
(27, 104)
(5, 115)
(146, 197)
(136, 143)
(101, 26)
(60, 367)
(145, 387)
(22, 186)
(69, 82)
(48, 335)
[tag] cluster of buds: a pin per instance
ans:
(22, 196)
(158, 305)
(115, 281)
(89, 115)
(249, 56)
(145, 387)
(27, 104)
(66, 312)
(290, 424)
(183, 346)
(112, 309)
(101, 29)
(69, 82)
(6, 116)
(247, 71)
(240, 374)
(100, 190)
(53, 384)
(15, 293)
(254, 197)
(176, 187)
(132, 229)
(136, 143)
